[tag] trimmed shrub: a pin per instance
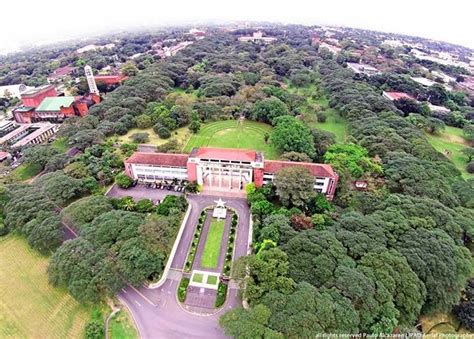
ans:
(183, 288)
(221, 294)
(123, 180)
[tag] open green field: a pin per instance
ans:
(121, 326)
(210, 254)
(234, 134)
(181, 134)
(451, 140)
(29, 306)
(60, 144)
(25, 172)
(334, 123)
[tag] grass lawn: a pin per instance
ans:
(181, 134)
(212, 247)
(212, 279)
(25, 172)
(233, 134)
(442, 323)
(198, 277)
(29, 306)
(451, 140)
(334, 123)
(121, 326)
(60, 144)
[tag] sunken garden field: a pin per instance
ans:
(234, 134)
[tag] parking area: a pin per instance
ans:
(141, 192)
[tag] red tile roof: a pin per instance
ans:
(110, 78)
(317, 170)
(3, 155)
(398, 95)
(226, 154)
(158, 159)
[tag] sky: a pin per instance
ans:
(39, 21)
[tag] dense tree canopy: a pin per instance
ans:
(291, 135)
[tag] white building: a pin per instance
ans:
(257, 36)
(13, 91)
(362, 68)
(424, 81)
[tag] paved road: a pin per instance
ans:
(157, 312)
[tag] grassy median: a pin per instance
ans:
(210, 254)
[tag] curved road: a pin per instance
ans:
(157, 312)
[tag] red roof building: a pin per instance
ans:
(392, 96)
(56, 109)
(34, 97)
(61, 72)
(158, 159)
(111, 79)
(222, 169)
(225, 154)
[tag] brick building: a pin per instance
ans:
(222, 169)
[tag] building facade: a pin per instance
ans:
(222, 169)
(27, 134)
(56, 109)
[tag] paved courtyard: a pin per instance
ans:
(140, 192)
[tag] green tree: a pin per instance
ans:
(60, 188)
(268, 272)
(252, 323)
(295, 156)
(291, 135)
(129, 69)
(195, 124)
(123, 180)
(469, 153)
(468, 132)
(38, 154)
(268, 109)
(140, 138)
(294, 186)
(44, 232)
(143, 121)
(351, 158)
(84, 210)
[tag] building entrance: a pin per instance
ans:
(224, 177)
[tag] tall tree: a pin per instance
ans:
(294, 186)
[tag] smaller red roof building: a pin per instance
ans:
(110, 79)
(158, 159)
(392, 96)
(4, 155)
(317, 170)
(61, 72)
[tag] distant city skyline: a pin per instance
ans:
(54, 20)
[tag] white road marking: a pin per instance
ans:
(138, 303)
(143, 296)
(124, 291)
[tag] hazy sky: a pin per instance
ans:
(23, 22)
